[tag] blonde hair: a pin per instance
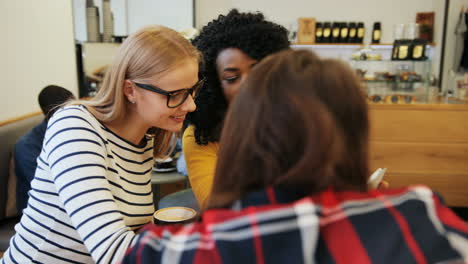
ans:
(148, 53)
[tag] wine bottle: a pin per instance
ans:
(318, 32)
(344, 31)
(335, 38)
(326, 32)
(352, 32)
(360, 32)
(376, 33)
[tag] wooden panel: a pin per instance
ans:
(452, 187)
(418, 124)
(415, 157)
(9, 121)
(422, 144)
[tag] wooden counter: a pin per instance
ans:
(425, 143)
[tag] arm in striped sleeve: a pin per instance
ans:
(76, 158)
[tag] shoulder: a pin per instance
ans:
(189, 144)
(188, 138)
(412, 192)
(70, 110)
(189, 132)
(72, 123)
(73, 115)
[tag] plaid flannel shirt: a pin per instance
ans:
(408, 225)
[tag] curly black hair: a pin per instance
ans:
(250, 33)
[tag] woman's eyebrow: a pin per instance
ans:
(230, 69)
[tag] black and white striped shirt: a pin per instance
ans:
(91, 189)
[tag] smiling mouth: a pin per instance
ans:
(179, 118)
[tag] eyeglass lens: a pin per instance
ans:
(180, 97)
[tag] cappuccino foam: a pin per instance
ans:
(174, 214)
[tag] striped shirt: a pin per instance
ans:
(91, 190)
(392, 226)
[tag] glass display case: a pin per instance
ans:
(395, 82)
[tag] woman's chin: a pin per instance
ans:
(174, 128)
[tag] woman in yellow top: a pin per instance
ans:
(231, 45)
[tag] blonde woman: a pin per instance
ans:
(92, 186)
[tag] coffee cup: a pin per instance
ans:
(174, 215)
(164, 165)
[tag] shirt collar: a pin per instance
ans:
(268, 196)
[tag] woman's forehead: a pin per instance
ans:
(232, 57)
(183, 76)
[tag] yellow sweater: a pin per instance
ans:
(201, 164)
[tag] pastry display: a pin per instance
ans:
(410, 77)
(393, 99)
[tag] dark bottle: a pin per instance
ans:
(344, 32)
(361, 30)
(376, 33)
(326, 32)
(318, 32)
(335, 38)
(352, 34)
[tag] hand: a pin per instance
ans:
(383, 185)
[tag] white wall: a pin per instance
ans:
(176, 14)
(131, 15)
(97, 55)
(388, 12)
(37, 49)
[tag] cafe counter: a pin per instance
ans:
(422, 144)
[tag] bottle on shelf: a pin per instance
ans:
(360, 32)
(376, 33)
(352, 34)
(318, 32)
(335, 38)
(326, 32)
(344, 32)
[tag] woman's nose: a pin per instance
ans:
(189, 104)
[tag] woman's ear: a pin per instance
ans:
(129, 91)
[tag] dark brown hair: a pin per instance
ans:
(299, 122)
(51, 98)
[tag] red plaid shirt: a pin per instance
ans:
(408, 225)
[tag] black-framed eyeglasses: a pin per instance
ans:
(174, 98)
